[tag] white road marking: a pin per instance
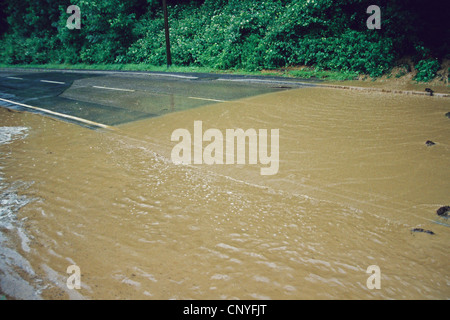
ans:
(207, 99)
(170, 75)
(117, 89)
(92, 123)
(267, 81)
(49, 81)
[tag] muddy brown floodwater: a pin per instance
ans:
(355, 177)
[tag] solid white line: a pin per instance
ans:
(170, 75)
(207, 99)
(60, 114)
(49, 81)
(266, 81)
(15, 78)
(108, 88)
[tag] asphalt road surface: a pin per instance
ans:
(108, 98)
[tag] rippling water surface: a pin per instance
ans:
(355, 178)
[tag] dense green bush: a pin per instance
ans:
(261, 34)
(220, 34)
(426, 70)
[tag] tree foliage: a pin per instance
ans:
(227, 34)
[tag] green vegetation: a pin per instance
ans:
(323, 74)
(426, 70)
(328, 36)
(404, 69)
(112, 67)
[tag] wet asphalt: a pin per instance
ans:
(116, 97)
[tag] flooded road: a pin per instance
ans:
(355, 177)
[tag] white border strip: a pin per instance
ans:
(49, 81)
(15, 78)
(62, 115)
(117, 89)
(170, 75)
(268, 81)
(207, 99)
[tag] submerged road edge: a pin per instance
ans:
(58, 114)
(238, 78)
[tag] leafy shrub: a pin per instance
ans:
(28, 50)
(426, 70)
(219, 34)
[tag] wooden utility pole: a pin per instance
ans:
(166, 27)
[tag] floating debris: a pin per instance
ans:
(429, 91)
(422, 230)
(447, 115)
(430, 143)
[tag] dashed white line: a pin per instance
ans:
(117, 89)
(49, 81)
(207, 99)
(15, 78)
(62, 115)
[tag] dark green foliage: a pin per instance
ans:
(426, 70)
(222, 34)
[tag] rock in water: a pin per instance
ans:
(443, 211)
